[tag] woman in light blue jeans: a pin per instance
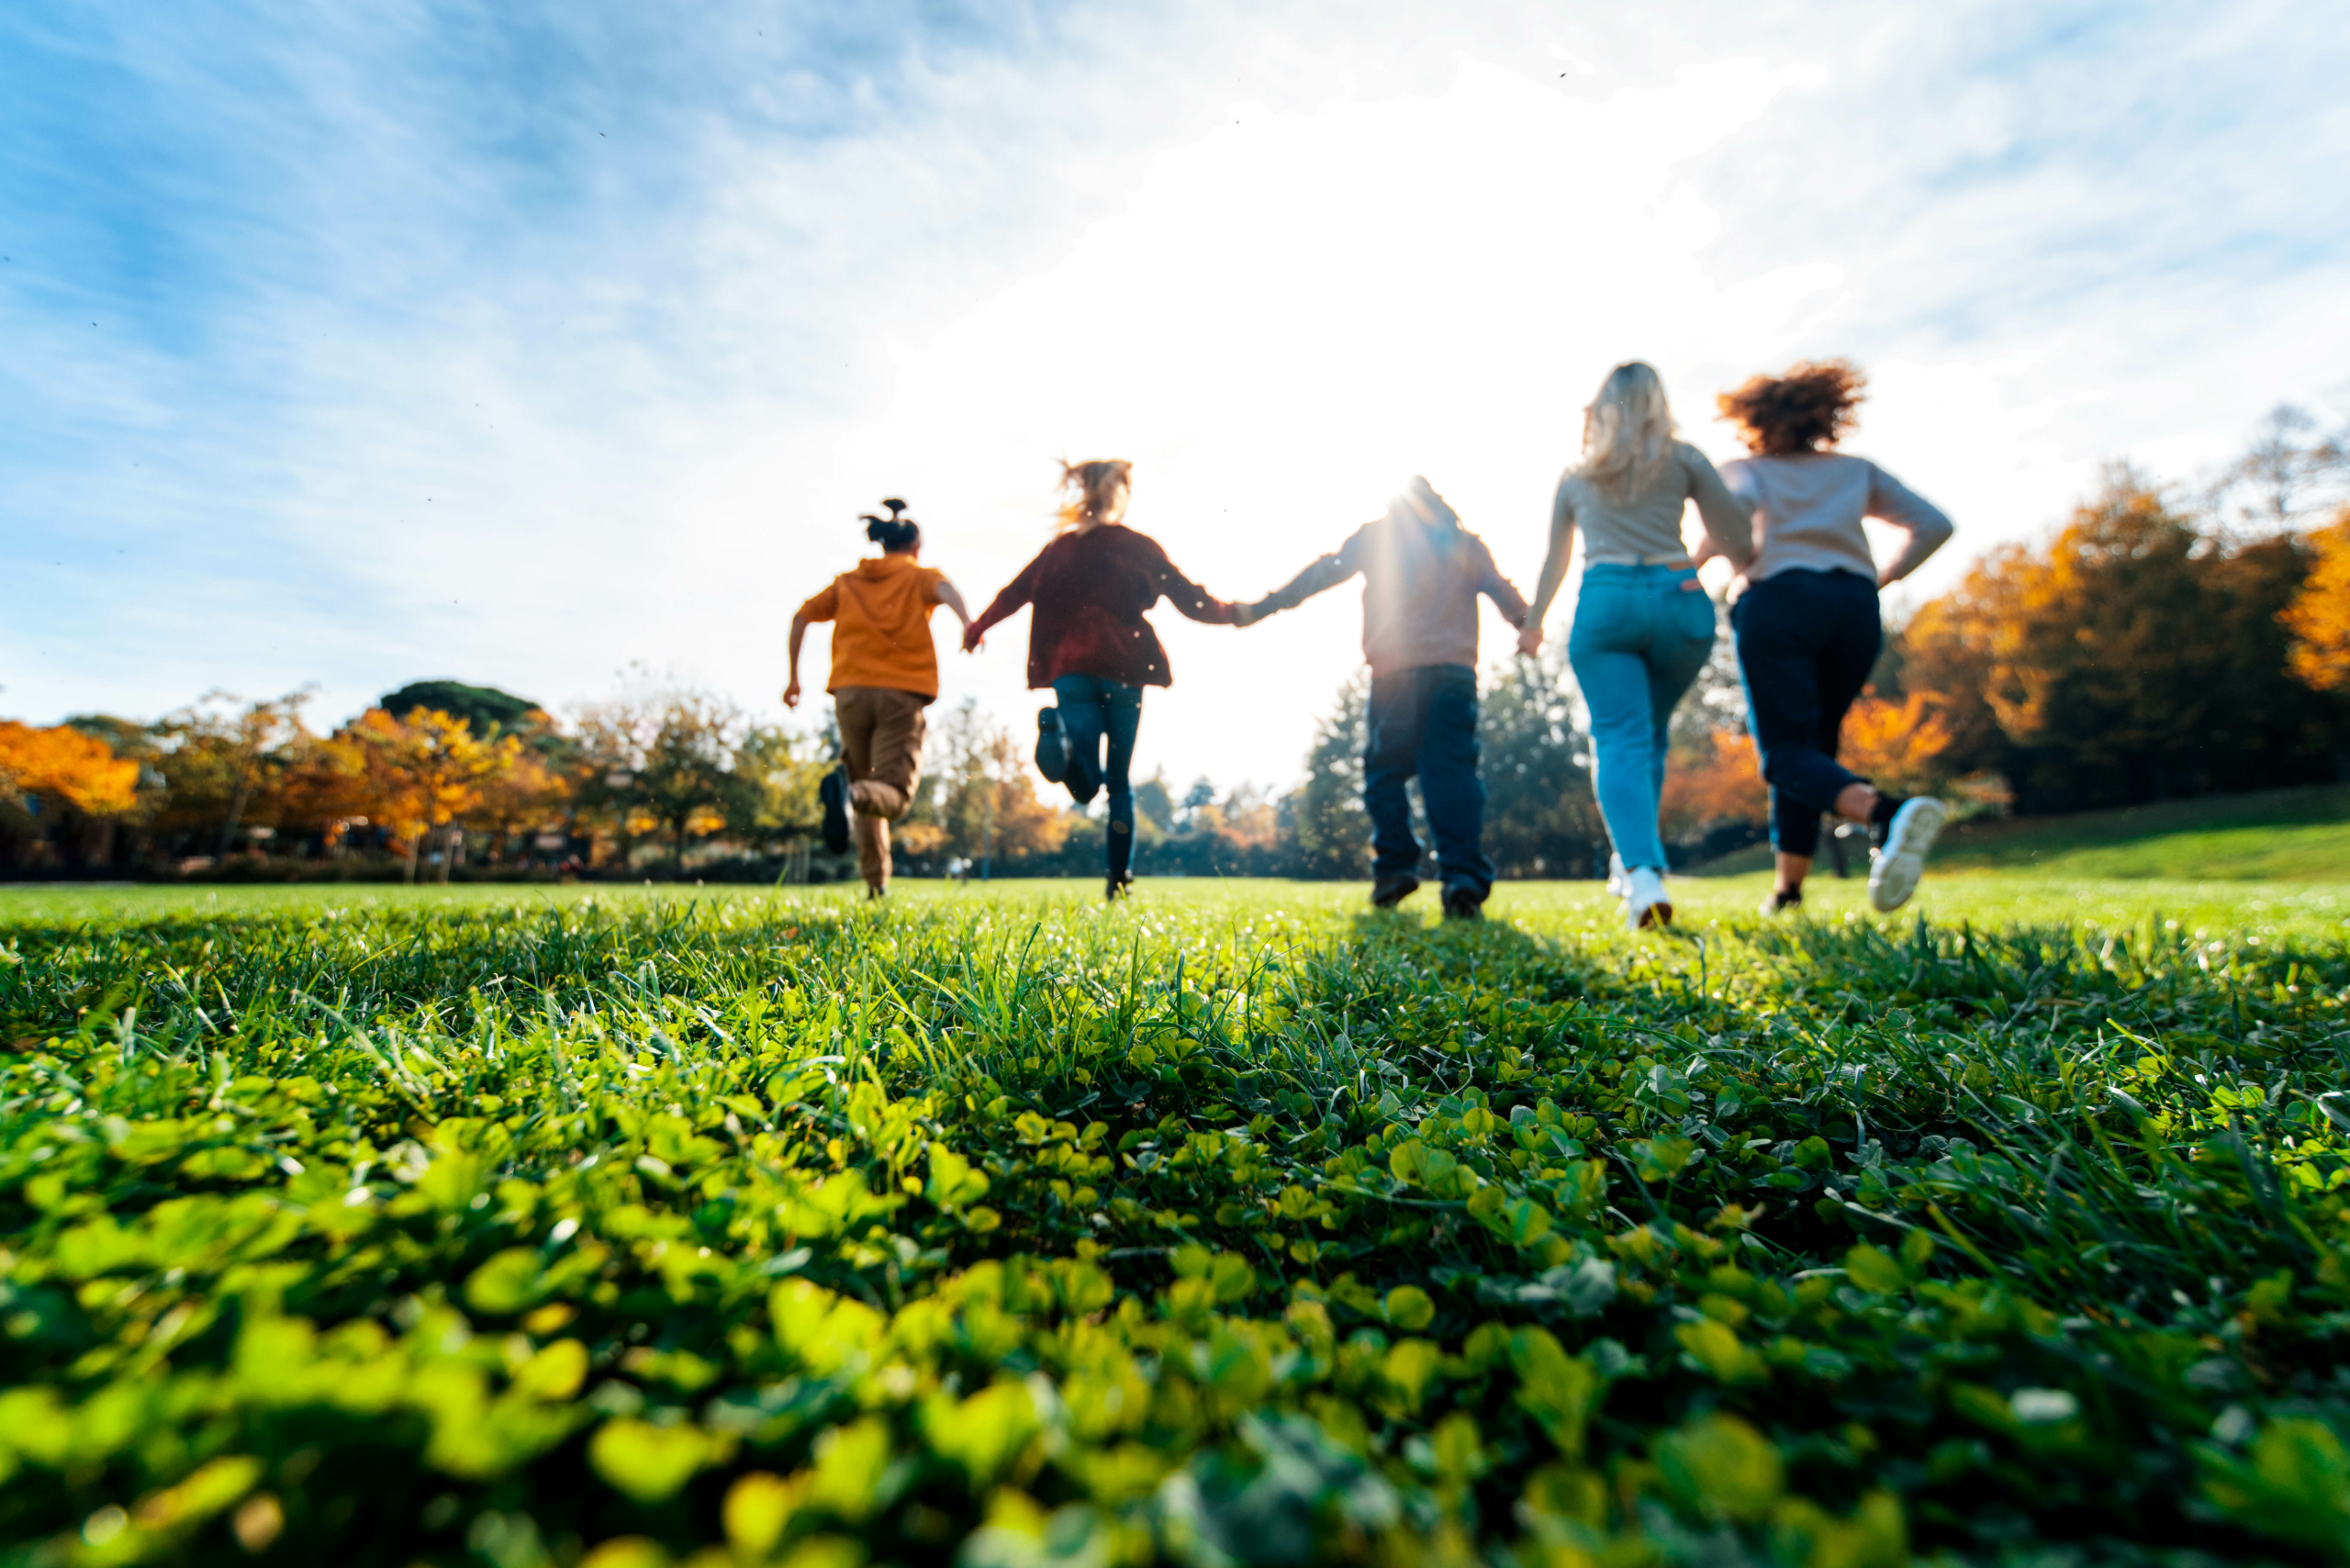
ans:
(1644, 624)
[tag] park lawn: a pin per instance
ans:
(2289, 835)
(2030, 895)
(628, 1226)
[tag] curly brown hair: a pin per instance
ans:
(1809, 408)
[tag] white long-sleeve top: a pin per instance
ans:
(1807, 512)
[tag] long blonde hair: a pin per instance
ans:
(1626, 432)
(1097, 493)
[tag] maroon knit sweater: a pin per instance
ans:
(1090, 591)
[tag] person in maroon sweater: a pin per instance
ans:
(1089, 643)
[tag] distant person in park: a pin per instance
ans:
(885, 672)
(1806, 618)
(1422, 573)
(1089, 643)
(1644, 624)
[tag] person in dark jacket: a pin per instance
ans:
(1422, 574)
(1089, 645)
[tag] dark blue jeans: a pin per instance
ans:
(1094, 710)
(1807, 642)
(1423, 721)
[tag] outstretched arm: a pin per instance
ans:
(1015, 593)
(1320, 577)
(952, 598)
(1554, 568)
(799, 635)
(822, 607)
(1195, 602)
(1500, 590)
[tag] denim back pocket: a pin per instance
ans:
(1692, 608)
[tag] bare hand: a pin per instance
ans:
(972, 641)
(1529, 641)
(791, 693)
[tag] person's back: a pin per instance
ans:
(1640, 526)
(1422, 574)
(884, 673)
(1807, 625)
(1088, 591)
(880, 613)
(1808, 507)
(1089, 643)
(1643, 623)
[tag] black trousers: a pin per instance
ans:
(1423, 721)
(1807, 642)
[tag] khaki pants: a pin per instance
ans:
(882, 731)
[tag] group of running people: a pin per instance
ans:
(1804, 617)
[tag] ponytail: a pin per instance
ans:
(896, 533)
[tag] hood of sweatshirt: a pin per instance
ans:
(874, 568)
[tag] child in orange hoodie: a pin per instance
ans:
(885, 672)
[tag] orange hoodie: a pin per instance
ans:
(883, 636)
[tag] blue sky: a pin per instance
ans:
(352, 345)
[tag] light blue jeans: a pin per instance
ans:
(1641, 634)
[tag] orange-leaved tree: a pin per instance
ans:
(417, 773)
(1713, 780)
(2319, 616)
(1898, 745)
(65, 766)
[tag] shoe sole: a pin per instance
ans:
(1052, 751)
(1893, 880)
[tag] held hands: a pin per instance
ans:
(1250, 614)
(1529, 641)
(972, 640)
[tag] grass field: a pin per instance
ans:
(640, 1225)
(2288, 836)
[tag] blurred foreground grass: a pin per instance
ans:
(632, 1226)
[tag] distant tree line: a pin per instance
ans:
(2166, 641)
(437, 780)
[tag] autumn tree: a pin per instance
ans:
(218, 759)
(51, 777)
(660, 757)
(2137, 655)
(417, 773)
(985, 797)
(2317, 619)
(1711, 781)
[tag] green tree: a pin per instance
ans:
(486, 710)
(778, 772)
(1327, 814)
(1540, 817)
(662, 757)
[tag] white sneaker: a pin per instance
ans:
(1616, 876)
(1908, 839)
(1646, 903)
